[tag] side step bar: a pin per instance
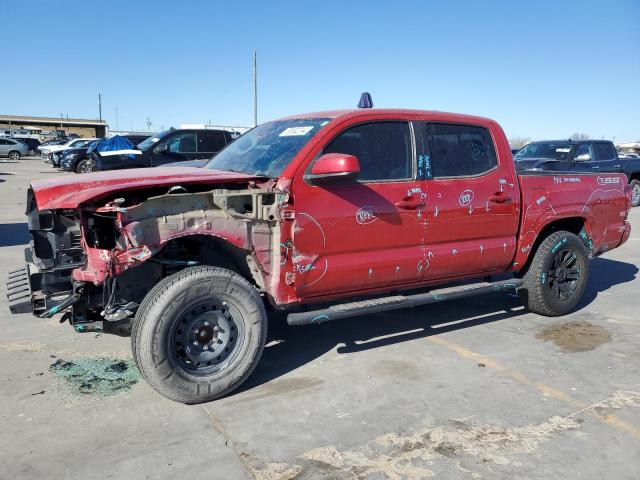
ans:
(336, 312)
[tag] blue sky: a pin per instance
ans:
(542, 69)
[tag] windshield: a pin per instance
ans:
(267, 149)
(80, 143)
(548, 150)
(151, 140)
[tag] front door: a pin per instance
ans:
(472, 201)
(363, 233)
(181, 147)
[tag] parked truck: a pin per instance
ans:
(580, 156)
(326, 216)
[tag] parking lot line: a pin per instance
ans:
(548, 391)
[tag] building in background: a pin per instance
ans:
(628, 147)
(49, 127)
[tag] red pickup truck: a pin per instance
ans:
(327, 215)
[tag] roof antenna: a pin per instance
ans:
(365, 100)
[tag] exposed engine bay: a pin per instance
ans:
(99, 261)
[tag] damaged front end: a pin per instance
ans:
(96, 263)
(45, 285)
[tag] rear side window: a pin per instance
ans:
(460, 150)
(211, 142)
(604, 151)
(383, 150)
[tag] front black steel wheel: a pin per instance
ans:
(199, 333)
(207, 336)
(557, 275)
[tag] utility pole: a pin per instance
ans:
(255, 90)
(99, 107)
(148, 124)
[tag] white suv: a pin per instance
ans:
(47, 151)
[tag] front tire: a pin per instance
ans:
(199, 334)
(13, 155)
(557, 276)
(85, 166)
(635, 192)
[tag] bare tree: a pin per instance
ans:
(518, 142)
(579, 136)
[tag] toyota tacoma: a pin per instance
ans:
(325, 215)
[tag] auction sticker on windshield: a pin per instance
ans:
(296, 131)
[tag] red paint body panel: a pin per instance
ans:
(349, 239)
(73, 190)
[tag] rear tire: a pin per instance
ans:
(557, 276)
(13, 155)
(635, 192)
(85, 166)
(199, 334)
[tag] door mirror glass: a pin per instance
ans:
(583, 157)
(334, 167)
(162, 148)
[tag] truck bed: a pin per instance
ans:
(601, 199)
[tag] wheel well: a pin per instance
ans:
(634, 176)
(574, 225)
(207, 250)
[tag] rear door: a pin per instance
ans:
(472, 198)
(4, 147)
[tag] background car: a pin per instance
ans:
(13, 149)
(52, 153)
(174, 145)
(32, 143)
(71, 158)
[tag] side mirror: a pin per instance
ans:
(583, 157)
(333, 167)
(162, 148)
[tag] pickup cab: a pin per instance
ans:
(324, 215)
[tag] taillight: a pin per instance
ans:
(628, 190)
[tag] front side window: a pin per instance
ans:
(182, 143)
(604, 151)
(460, 150)
(583, 151)
(383, 150)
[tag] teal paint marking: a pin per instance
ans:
(558, 245)
(320, 318)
